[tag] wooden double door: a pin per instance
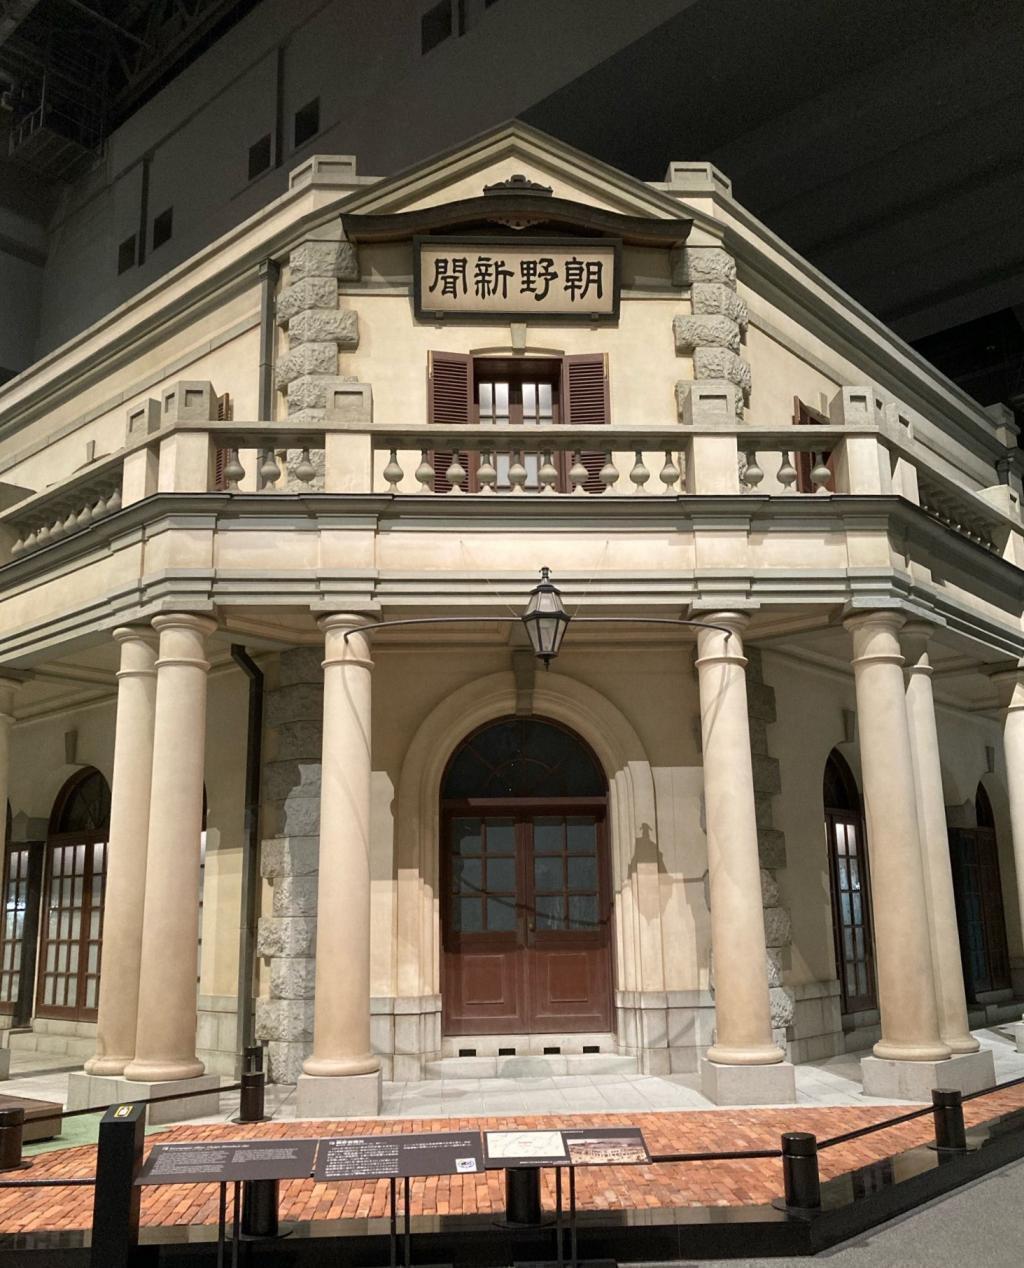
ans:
(526, 925)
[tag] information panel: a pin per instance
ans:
(420, 1154)
(217, 1161)
(606, 1146)
(525, 1149)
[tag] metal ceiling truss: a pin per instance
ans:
(76, 69)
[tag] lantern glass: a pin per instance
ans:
(545, 618)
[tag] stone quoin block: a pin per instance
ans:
(290, 1020)
(715, 297)
(324, 325)
(323, 259)
(699, 331)
(769, 889)
(307, 358)
(295, 896)
(296, 741)
(282, 780)
(771, 846)
(773, 958)
(284, 1060)
(292, 979)
(289, 856)
(294, 817)
(777, 927)
(300, 664)
(703, 264)
(720, 363)
(308, 393)
(295, 702)
(781, 1004)
(286, 936)
(313, 292)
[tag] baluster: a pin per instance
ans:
(752, 473)
(114, 501)
(578, 474)
(270, 472)
(56, 529)
(42, 534)
(393, 473)
(70, 523)
(233, 471)
(31, 539)
(786, 474)
(100, 508)
(548, 473)
(639, 473)
(669, 473)
(517, 473)
(456, 473)
(486, 473)
(609, 473)
(18, 545)
(820, 474)
(304, 468)
(425, 473)
(84, 517)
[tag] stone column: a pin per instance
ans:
(343, 1076)
(165, 1044)
(931, 816)
(126, 853)
(903, 958)
(1010, 683)
(743, 1066)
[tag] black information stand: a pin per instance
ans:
(225, 1162)
(399, 1158)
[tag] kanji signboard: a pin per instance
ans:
(517, 279)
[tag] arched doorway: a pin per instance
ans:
(19, 925)
(69, 952)
(974, 855)
(526, 907)
(849, 885)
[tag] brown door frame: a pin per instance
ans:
(54, 842)
(522, 810)
(863, 1003)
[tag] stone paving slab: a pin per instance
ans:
(728, 1183)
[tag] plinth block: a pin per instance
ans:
(748, 1084)
(341, 1096)
(5, 1063)
(914, 1080)
(85, 1090)
(1017, 1030)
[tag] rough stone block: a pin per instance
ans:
(323, 259)
(294, 817)
(317, 459)
(769, 889)
(308, 393)
(705, 330)
(311, 292)
(290, 1020)
(289, 856)
(777, 927)
(286, 936)
(292, 978)
(720, 363)
(282, 780)
(295, 896)
(761, 701)
(781, 1003)
(767, 780)
(307, 358)
(774, 961)
(297, 741)
(716, 297)
(748, 1084)
(324, 325)
(703, 264)
(351, 1096)
(914, 1080)
(758, 735)
(300, 664)
(299, 701)
(284, 1061)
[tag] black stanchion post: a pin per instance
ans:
(948, 1113)
(522, 1195)
(115, 1209)
(259, 1208)
(800, 1170)
(12, 1125)
(253, 1080)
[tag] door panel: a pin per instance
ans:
(526, 922)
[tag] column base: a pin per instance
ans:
(341, 1096)
(773, 1084)
(914, 1080)
(1017, 1030)
(85, 1090)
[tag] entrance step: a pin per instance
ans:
(573, 1043)
(529, 1066)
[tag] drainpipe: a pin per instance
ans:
(250, 897)
(270, 271)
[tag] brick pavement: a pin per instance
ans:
(680, 1184)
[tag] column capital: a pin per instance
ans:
(915, 638)
(883, 618)
(131, 633)
(204, 625)
(345, 621)
(339, 648)
(721, 646)
(1008, 679)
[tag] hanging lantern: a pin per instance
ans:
(545, 619)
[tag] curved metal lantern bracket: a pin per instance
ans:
(476, 620)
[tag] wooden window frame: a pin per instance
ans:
(806, 416)
(850, 815)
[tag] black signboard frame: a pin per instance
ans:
(482, 317)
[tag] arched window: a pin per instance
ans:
(19, 925)
(848, 877)
(69, 953)
(977, 886)
(526, 908)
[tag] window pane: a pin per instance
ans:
(582, 836)
(583, 874)
(547, 874)
(469, 875)
(501, 915)
(550, 912)
(501, 875)
(548, 835)
(466, 836)
(583, 911)
(468, 915)
(501, 836)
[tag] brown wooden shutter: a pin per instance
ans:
(449, 400)
(585, 403)
(220, 458)
(805, 416)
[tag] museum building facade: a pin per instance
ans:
(284, 762)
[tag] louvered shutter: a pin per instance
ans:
(585, 404)
(449, 400)
(220, 457)
(805, 416)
